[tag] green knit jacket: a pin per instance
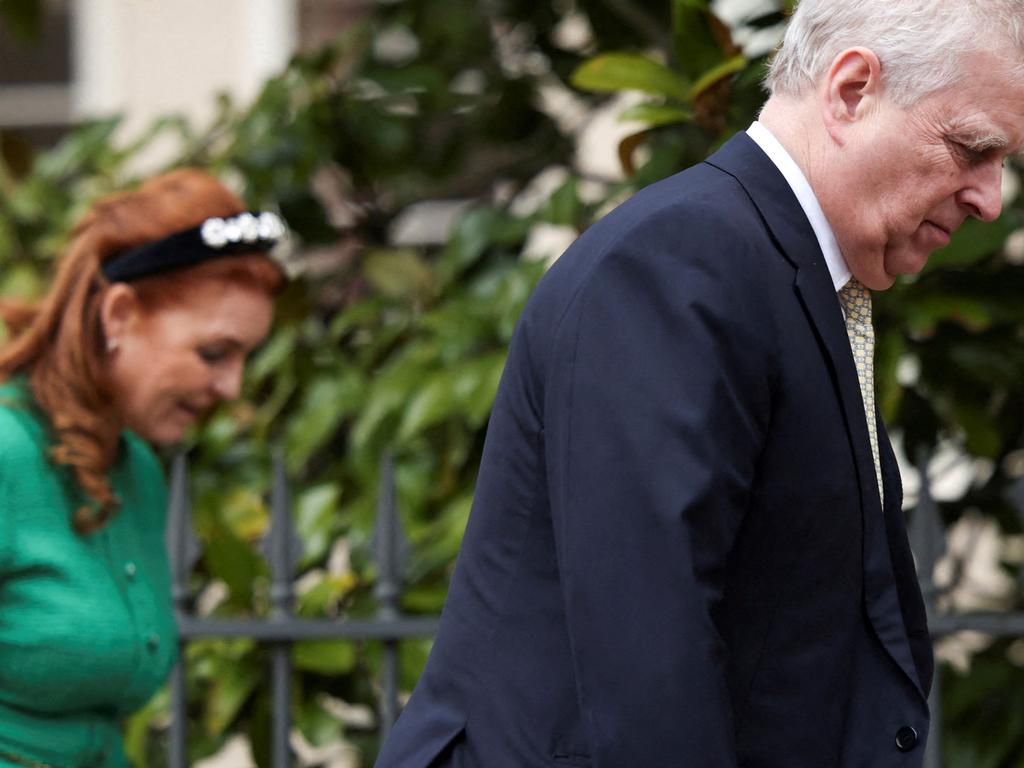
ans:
(87, 632)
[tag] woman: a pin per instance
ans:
(162, 293)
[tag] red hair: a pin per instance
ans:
(60, 344)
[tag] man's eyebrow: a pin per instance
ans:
(981, 142)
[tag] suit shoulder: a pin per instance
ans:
(699, 219)
(699, 206)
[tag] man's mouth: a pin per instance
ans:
(940, 234)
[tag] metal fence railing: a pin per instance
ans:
(282, 627)
(928, 541)
(390, 627)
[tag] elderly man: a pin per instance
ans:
(686, 547)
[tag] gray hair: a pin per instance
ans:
(920, 43)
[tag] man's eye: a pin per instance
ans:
(962, 150)
(966, 153)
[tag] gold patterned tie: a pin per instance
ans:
(856, 301)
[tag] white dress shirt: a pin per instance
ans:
(787, 166)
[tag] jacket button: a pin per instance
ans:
(906, 739)
(129, 570)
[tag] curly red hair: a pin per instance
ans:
(60, 344)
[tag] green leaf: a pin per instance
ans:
(716, 73)
(328, 399)
(564, 207)
(323, 599)
(398, 273)
(325, 657)
(85, 145)
(389, 392)
(234, 562)
(474, 233)
(318, 725)
(229, 690)
(137, 728)
(656, 115)
(468, 389)
(21, 281)
(274, 355)
(244, 513)
(613, 72)
(435, 400)
(315, 517)
(698, 38)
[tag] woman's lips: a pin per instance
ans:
(191, 412)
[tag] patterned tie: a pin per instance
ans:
(856, 301)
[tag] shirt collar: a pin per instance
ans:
(787, 166)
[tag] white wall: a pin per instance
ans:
(147, 58)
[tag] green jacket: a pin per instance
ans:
(87, 630)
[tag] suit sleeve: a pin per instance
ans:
(656, 403)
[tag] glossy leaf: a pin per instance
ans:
(315, 519)
(656, 115)
(716, 74)
(614, 72)
(398, 273)
(697, 48)
(228, 692)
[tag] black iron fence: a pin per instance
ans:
(389, 627)
(928, 540)
(282, 628)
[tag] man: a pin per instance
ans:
(686, 547)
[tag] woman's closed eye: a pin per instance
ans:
(215, 353)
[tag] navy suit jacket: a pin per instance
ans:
(676, 554)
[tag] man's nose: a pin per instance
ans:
(983, 195)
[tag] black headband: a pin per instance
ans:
(241, 234)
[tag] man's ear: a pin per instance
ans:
(119, 311)
(851, 87)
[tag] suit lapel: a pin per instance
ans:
(741, 158)
(882, 595)
(901, 560)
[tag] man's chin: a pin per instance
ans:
(908, 262)
(879, 282)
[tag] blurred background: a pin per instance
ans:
(432, 158)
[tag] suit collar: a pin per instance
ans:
(774, 199)
(808, 200)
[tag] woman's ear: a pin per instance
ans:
(119, 312)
